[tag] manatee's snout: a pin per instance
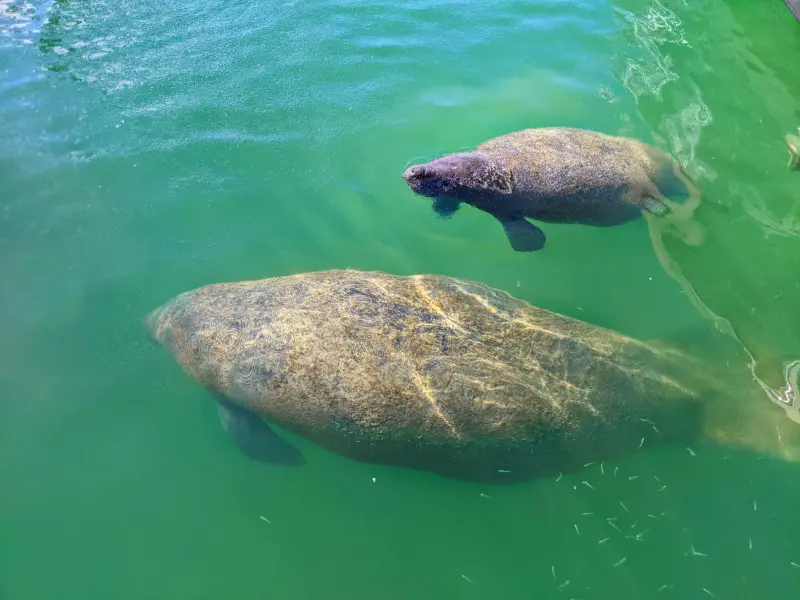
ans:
(151, 322)
(414, 176)
(414, 172)
(423, 180)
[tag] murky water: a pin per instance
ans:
(149, 148)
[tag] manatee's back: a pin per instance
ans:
(423, 371)
(568, 376)
(565, 162)
(314, 351)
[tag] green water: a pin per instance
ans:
(147, 148)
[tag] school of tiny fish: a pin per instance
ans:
(627, 531)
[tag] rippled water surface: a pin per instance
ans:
(147, 148)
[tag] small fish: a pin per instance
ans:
(641, 444)
(695, 552)
(662, 588)
(560, 475)
(656, 430)
(578, 531)
(484, 495)
(614, 526)
(656, 478)
(553, 571)
(661, 489)
(691, 451)
(588, 464)
(602, 471)
(708, 592)
(467, 579)
(503, 471)
(755, 506)
(587, 484)
(619, 562)
(624, 507)
(779, 434)
(587, 514)
(654, 517)
(632, 477)
(648, 421)
(563, 585)
(794, 564)
(615, 471)
(266, 520)
(603, 541)
(750, 543)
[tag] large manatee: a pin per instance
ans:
(441, 374)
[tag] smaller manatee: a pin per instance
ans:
(559, 175)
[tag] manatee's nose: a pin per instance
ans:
(150, 322)
(415, 172)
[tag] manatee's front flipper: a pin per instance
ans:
(522, 235)
(254, 437)
(445, 206)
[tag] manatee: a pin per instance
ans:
(433, 373)
(559, 175)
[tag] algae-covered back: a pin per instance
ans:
(569, 159)
(359, 361)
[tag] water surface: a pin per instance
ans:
(147, 148)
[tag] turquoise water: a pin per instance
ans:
(147, 148)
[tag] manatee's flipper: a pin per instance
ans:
(654, 206)
(522, 235)
(445, 206)
(254, 437)
(680, 217)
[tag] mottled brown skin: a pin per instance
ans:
(556, 175)
(429, 372)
